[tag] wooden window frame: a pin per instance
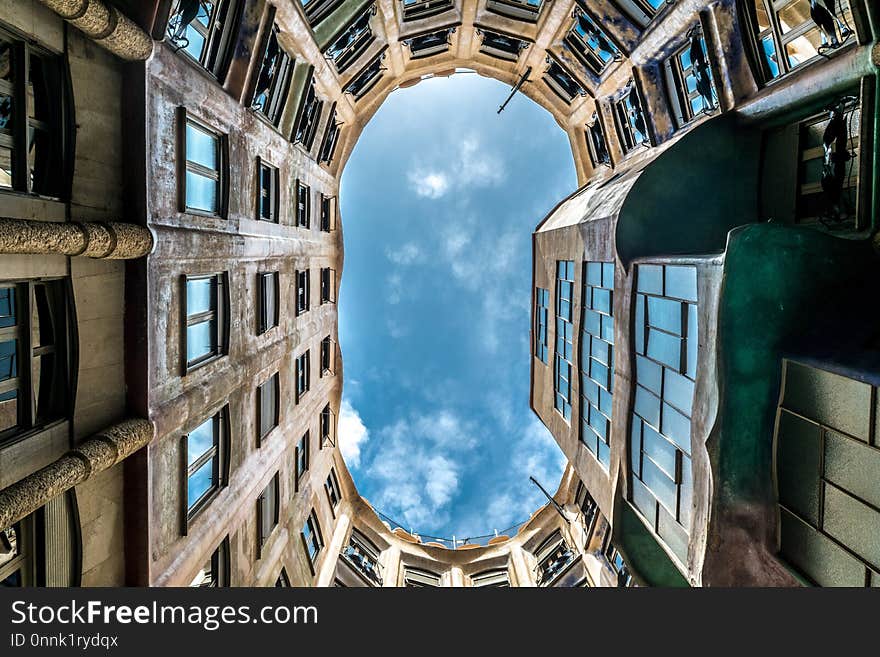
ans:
(301, 458)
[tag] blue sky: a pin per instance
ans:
(438, 202)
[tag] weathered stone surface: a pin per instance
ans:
(95, 240)
(107, 26)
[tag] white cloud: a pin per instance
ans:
(430, 184)
(407, 254)
(470, 164)
(396, 329)
(352, 434)
(394, 289)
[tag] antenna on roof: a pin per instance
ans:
(516, 87)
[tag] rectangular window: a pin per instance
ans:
(426, 45)
(301, 458)
(495, 578)
(328, 213)
(328, 285)
(588, 507)
(332, 487)
(33, 107)
(419, 9)
(330, 139)
(317, 10)
(418, 578)
(596, 144)
(34, 389)
(204, 31)
(269, 298)
(328, 356)
(630, 119)
(204, 453)
(203, 179)
(524, 10)
(562, 366)
(302, 374)
(309, 117)
(302, 291)
(312, 538)
(618, 565)
(642, 12)
(215, 572)
(268, 394)
(267, 512)
(206, 319)
(561, 82)
(597, 359)
(17, 549)
(665, 337)
(501, 45)
(366, 79)
(303, 204)
(553, 556)
(542, 310)
(267, 203)
(273, 81)
(283, 580)
(363, 555)
(590, 43)
(351, 42)
(328, 426)
(690, 82)
(786, 36)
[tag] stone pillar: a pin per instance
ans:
(524, 575)
(107, 26)
(96, 454)
(337, 543)
(112, 240)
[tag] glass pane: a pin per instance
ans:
(8, 359)
(770, 55)
(39, 159)
(9, 544)
(201, 147)
(761, 14)
(200, 482)
(199, 441)
(42, 329)
(201, 192)
(7, 307)
(43, 380)
(205, 576)
(794, 15)
(195, 42)
(681, 282)
(199, 295)
(803, 48)
(5, 158)
(200, 340)
(665, 314)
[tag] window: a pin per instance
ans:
(34, 388)
(328, 356)
(302, 375)
(417, 578)
(332, 488)
(301, 458)
(205, 455)
(689, 78)
(363, 555)
(267, 513)
(268, 394)
(267, 203)
(204, 31)
(561, 82)
(283, 580)
(17, 555)
(328, 426)
(331, 137)
(596, 144)
(312, 539)
(564, 337)
(828, 166)
(553, 556)
(302, 291)
(417, 9)
(618, 565)
(495, 578)
(587, 505)
(206, 319)
(309, 117)
(630, 119)
(642, 11)
(597, 359)
(366, 79)
(328, 213)
(318, 10)
(269, 293)
(215, 572)
(33, 105)
(273, 80)
(303, 204)
(500, 45)
(328, 285)
(542, 306)
(204, 177)
(786, 36)
(590, 43)
(429, 44)
(524, 10)
(665, 336)
(352, 42)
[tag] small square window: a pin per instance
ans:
(203, 179)
(268, 394)
(267, 513)
(303, 205)
(206, 319)
(303, 365)
(302, 291)
(267, 203)
(269, 300)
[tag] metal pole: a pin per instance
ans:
(550, 499)
(516, 87)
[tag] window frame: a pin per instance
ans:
(273, 192)
(516, 10)
(281, 76)
(331, 137)
(219, 567)
(314, 540)
(308, 116)
(303, 373)
(303, 205)
(542, 321)
(331, 487)
(303, 292)
(569, 361)
(262, 535)
(420, 578)
(219, 43)
(583, 51)
(264, 432)
(328, 357)
(328, 285)
(676, 84)
(328, 426)
(544, 555)
(220, 294)
(623, 118)
(266, 323)
(597, 125)
(218, 453)
(301, 456)
(328, 213)
(220, 175)
(421, 9)
(24, 562)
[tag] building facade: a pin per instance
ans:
(171, 250)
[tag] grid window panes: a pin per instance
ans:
(351, 42)
(417, 9)
(689, 76)
(310, 116)
(524, 10)
(32, 114)
(302, 291)
(542, 318)
(312, 538)
(590, 43)
(786, 35)
(561, 82)
(553, 556)
(215, 571)
(364, 556)
(630, 119)
(302, 374)
(495, 578)
(34, 389)
(665, 335)
(267, 511)
(205, 454)
(302, 456)
(205, 318)
(268, 394)
(334, 495)
(417, 578)
(618, 565)
(562, 364)
(642, 11)
(597, 359)
(203, 182)
(587, 505)
(269, 297)
(328, 285)
(303, 204)
(273, 80)
(267, 205)
(204, 31)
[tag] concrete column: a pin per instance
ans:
(96, 454)
(107, 26)
(112, 240)
(456, 577)
(390, 566)
(524, 575)
(337, 542)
